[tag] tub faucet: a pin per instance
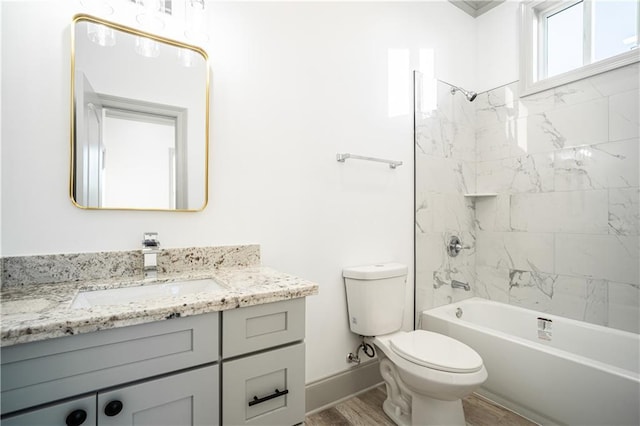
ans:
(150, 250)
(459, 284)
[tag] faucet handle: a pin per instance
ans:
(455, 246)
(150, 239)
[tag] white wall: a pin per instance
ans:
(498, 46)
(1, 105)
(293, 84)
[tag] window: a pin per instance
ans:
(563, 44)
(567, 40)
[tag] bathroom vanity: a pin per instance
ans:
(234, 355)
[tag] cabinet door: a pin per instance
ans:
(264, 389)
(189, 398)
(80, 411)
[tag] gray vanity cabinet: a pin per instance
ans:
(263, 364)
(152, 369)
(249, 370)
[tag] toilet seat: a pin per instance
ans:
(436, 351)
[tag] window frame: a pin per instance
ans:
(533, 41)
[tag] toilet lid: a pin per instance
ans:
(437, 351)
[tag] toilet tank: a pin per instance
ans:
(375, 297)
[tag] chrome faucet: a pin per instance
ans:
(459, 284)
(455, 246)
(150, 250)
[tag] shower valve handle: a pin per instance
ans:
(455, 246)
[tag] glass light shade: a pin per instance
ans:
(147, 47)
(187, 57)
(101, 34)
(97, 7)
(150, 6)
(151, 22)
(150, 14)
(194, 20)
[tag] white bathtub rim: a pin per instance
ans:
(478, 299)
(599, 365)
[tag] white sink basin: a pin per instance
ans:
(125, 295)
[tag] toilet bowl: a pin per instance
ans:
(431, 372)
(426, 374)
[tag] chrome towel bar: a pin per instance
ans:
(392, 163)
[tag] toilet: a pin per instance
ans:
(426, 374)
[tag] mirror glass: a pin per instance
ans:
(140, 120)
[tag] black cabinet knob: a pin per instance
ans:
(76, 418)
(113, 408)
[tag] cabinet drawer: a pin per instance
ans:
(272, 382)
(253, 328)
(58, 415)
(39, 372)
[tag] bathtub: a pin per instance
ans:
(550, 369)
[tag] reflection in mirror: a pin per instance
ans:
(140, 120)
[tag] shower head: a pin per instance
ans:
(470, 95)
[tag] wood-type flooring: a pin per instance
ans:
(365, 409)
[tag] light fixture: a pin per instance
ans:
(100, 8)
(194, 17)
(147, 47)
(97, 33)
(149, 17)
(152, 16)
(101, 34)
(186, 57)
(149, 14)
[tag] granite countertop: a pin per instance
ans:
(38, 312)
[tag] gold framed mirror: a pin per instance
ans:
(139, 119)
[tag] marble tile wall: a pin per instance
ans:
(445, 171)
(562, 235)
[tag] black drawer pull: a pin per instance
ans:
(76, 418)
(277, 393)
(113, 408)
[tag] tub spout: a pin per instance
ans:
(459, 284)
